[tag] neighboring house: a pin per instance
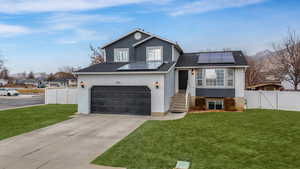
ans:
(269, 82)
(62, 83)
(146, 74)
(27, 82)
(266, 86)
(3, 82)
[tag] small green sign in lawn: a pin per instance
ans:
(182, 165)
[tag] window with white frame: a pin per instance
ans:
(230, 77)
(121, 55)
(199, 77)
(154, 53)
(215, 78)
(215, 104)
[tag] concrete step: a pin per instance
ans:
(178, 110)
(178, 102)
(178, 98)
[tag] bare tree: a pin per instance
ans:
(30, 75)
(4, 74)
(68, 69)
(3, 70)
(287, 59)
(96, 56)
(1, 62)
(50, 77)
(253, 72)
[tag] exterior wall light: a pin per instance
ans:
(193, 71)
(157, 85)
(82, 84)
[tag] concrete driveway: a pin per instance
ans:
(72, 144)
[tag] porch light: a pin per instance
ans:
(82, 84)
(193, 71)
(157, 85)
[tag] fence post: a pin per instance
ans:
(67, 93)
(56, 96)
(260, 106)
(277, 106)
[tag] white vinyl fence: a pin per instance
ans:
(61, 96)
(281, 100)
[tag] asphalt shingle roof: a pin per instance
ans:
(191, 59)
(185, 60)
(113, 67)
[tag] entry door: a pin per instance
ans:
(183, 78)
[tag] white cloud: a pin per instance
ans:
(12, 30)
(202, 6)
(30, 6)
(79, 35)
(65, 21)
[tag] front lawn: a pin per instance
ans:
(17, 121)
(255, 139)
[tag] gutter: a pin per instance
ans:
(125, 72)
(195, 67)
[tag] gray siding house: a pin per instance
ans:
(146, 74)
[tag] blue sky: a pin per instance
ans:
(43, 35)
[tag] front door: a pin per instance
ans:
(183, 78)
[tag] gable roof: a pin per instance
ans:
(160, 38)
(191, 60)
(142, 41)
(129, 33)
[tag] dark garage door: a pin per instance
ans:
(121, 100)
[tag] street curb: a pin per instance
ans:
(22, 107)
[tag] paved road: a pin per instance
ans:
(19, 101)
(72, 144)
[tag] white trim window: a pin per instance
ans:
(214, 104)
(215, 78)
(121, 54)
(199, 77)
(230, 78)
(154, 53)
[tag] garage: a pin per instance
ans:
(135, 100)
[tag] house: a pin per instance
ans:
(150, 75)
(269, 81)
(27, 82)
(3, 82)
(266, 86)
(62, 83)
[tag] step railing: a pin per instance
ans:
(187, 96)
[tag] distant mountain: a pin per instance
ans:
(263, 54)
(265, 57)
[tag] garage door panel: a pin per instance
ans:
(121, 100)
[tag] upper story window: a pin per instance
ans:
(215, 78)
(154, 53)
(121, 55)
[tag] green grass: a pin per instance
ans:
(255, 139)
(17, 121)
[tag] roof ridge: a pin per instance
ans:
(217, 51)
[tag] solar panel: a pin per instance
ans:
(141, 66)
(216, 57)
